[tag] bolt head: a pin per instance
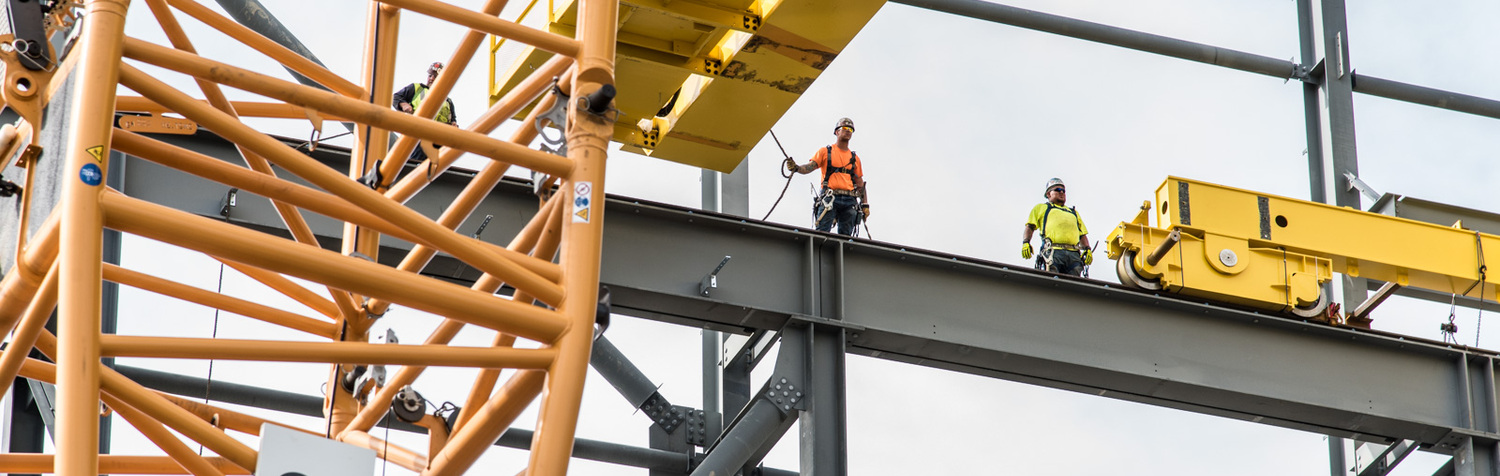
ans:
(1228, 257)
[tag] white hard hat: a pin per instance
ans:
(1051, 183)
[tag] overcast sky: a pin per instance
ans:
(959, 123)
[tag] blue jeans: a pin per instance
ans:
(845, 212)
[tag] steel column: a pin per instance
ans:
(1341, 158)
(713, 341)
(825, 441)
(1311, 111)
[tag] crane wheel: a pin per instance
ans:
(1315, 310)
(1125, 268)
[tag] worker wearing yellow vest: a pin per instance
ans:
(1065, 240)
(843, 198)
(409, 98)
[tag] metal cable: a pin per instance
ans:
(385, 454)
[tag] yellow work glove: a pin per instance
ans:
(865, 209)
(1088, 256)
(791, 165)
(1026, 250)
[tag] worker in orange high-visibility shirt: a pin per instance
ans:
(843, 199)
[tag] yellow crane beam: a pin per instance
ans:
(1275, 253)
(701, 81)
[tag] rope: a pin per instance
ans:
(1479, 248)
(208, 383)
(784, 173)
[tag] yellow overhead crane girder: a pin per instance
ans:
(1275, 253)
(701, 81)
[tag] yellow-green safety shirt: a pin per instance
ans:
(444, 114)
(1063, 225)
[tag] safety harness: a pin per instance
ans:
(847, 169)
(825, 198)
(1044, 258)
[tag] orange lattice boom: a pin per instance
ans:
(58, 263)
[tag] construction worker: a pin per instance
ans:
(409, 98)
(1065, 240)
(843, 198)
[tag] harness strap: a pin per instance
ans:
(421, 95)
(1050, 206)
(829, 169)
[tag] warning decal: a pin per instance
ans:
(97, 152)
(583, 202)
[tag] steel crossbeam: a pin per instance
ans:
(994, 319)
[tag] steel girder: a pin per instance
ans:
(994, 319)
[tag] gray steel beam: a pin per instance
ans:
(621, 373)
(1111, 35)
(758, 427)
(1366, 84)
(1208, 54)
(257, 18)
(308, 405)
(991, 319)
(1413, 208)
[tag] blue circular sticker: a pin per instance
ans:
(90, 174)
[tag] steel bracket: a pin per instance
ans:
(711, 281)
(558, 116)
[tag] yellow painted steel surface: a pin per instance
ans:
(701, 81)
(1273, 252)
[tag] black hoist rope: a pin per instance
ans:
(784, 173)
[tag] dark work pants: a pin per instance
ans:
(845, 212)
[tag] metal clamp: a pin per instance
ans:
(558, 116)
(230, 200)
(712, 280)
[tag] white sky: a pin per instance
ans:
(959, 124)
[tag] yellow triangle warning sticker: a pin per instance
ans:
(98, 152)
(581, 216)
